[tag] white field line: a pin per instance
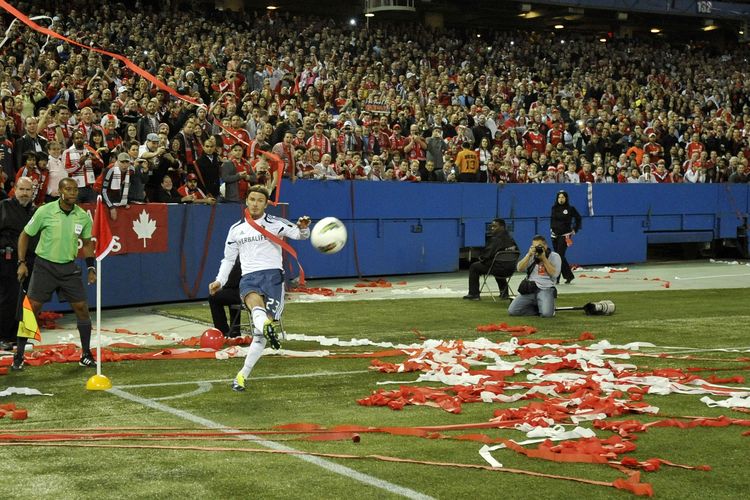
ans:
(202, 387)
(693, 351)
(320, 462)
(227, 380)
(712, 277)
(696, 349)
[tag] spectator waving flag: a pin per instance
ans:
(101, 231)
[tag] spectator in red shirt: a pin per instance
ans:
(397, 141)
(585, 175)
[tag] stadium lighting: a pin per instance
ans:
(271, 7)
(559, 26)
(741, 32)
(603, 40)
(655, 30)
(479, 35)
(709, 25)
(352, 22)
(369, 14)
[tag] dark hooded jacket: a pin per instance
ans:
(564, 218)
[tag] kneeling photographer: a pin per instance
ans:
(537, 292)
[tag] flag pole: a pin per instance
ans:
(98, 317)
(104, 243)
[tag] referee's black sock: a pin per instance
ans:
(20, 348)
(84, 330)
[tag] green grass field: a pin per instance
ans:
(324, 391)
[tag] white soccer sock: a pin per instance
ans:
(255, 351)
(259, 318)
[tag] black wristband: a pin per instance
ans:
(90, 262)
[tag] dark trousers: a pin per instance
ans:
(9, 288)
(478, 269)
(559, 245)
(217, 302)
(86, 195)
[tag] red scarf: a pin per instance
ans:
(275, 239)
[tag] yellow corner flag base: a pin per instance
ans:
(98, 383)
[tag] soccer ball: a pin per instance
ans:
(328, 235)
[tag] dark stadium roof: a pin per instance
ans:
(682, 19)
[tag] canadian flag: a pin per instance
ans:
(101, 231)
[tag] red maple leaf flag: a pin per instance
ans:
(101, 231)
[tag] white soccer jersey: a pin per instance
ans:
(255, 250)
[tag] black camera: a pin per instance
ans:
(539, 249)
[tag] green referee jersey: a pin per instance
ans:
(58, 241)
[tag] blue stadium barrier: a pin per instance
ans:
(405, 228)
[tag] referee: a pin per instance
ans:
(59, 225)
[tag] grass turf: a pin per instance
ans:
(699, 319)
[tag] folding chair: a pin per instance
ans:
(503, 266)
(247, 328)
(236, 320)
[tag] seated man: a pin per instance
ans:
(499, 242)
(229, 295)
(542, 267)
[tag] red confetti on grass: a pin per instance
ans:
(379, 283)
(517, 331)
(47, 320)
(327, 292)
(12, 411)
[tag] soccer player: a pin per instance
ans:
(257, 241)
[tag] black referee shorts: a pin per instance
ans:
(48, 277)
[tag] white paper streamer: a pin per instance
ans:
(24, 391)
(733, 402)
(35, 18)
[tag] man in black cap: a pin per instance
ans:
(502, 244)
(15, 212)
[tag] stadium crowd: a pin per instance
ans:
(395, 102)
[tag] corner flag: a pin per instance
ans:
(104, 243)
(101, 231)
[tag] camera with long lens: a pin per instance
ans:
(539, 249)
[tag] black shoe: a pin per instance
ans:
(471, 297)
(568, 280)
(17, 365)
(269, 331)
(87, 361)
(505, 295)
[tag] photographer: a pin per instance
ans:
(537, 292)
(498, 240)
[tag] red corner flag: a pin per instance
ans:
(101, 231)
